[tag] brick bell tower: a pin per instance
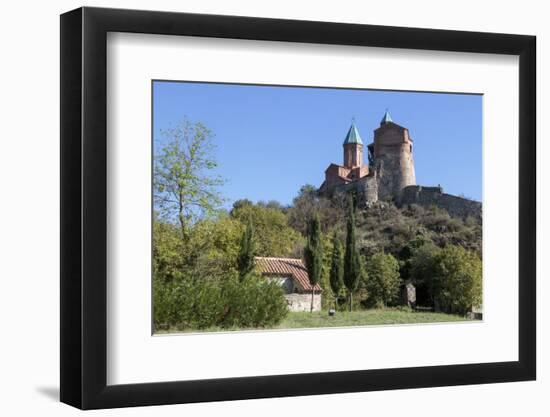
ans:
(391, 157)
(353, 148)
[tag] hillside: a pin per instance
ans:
(382, 226)
(385, 227)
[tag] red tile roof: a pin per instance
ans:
(287, 266)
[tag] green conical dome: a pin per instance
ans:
(353, 135)
(386, 118)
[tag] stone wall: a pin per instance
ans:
(394, 172)
(434, 196)
(302, 302)
(366, 188)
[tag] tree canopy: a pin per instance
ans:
(274, 237)
(383, 279)
(184, 185)
(457, 279)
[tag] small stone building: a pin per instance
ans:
(292, 276)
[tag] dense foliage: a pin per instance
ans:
(191, 303)
(440, 255)
(352, 266)
(204, 288)
(457, 279)
(383, 279)
(386, 228)
(274, 236)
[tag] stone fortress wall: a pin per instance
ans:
(434, 196)
(367, 193)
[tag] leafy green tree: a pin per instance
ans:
(241, 203)
(383, 279)
(352, 267)
(313, 255)
(422, 271)
(303, 208)
(337, 269)
(245, 261)
(184, 187)
(273, 236)
(457, 279)
(307, 203)
(213, 247)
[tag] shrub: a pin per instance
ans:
(203, 304)
(189, 304)
(200, 304)
(164, 313)
(253, 302)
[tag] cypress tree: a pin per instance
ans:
(245, 260)
(352, 267)
(337, 268)
(313, 254)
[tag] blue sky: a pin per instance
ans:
(272, 140)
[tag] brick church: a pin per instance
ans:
(390, 168)
(389, 174)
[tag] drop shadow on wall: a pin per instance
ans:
(50, 392)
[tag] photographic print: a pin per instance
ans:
(286, 207)
(329, 185)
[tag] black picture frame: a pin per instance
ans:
(84, 207)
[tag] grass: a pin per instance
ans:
(365, 318)
(295, 320)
